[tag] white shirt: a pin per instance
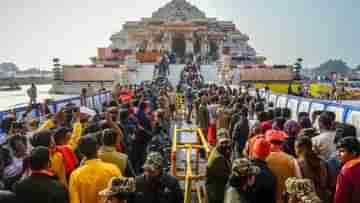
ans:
(324, 144)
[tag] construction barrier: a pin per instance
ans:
(191, 177)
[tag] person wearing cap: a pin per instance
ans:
(281, 164)
(242, 178)
(264, 188)
(41, 186)
(119, 190)
(154, 185)
(218, 167)
(348, 180)
(276, 138)
(300, 190)
(93, 176)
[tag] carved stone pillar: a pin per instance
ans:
(220, 44)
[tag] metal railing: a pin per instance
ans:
(191, 178)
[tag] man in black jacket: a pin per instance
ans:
(264, 188)
(41, 186)
(155, 186)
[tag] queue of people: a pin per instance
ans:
(259, 153)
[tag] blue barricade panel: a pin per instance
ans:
(353, 118)
(281, 101)
(338, 110)
(316, 106)
(304, 106)
(293, 104)
(272, 98)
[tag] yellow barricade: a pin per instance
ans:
(190, 178)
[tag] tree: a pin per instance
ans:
(298, 67)
(358, 67)
(8, 67)
(333, 66)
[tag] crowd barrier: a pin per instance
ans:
(344, 113)
(189, 140)
(94, 102)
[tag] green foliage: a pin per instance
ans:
(333, 65)
(8, 67)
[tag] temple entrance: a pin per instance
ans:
(179, 46)
(197, 46)
(213, 50)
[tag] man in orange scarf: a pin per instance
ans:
(348, 181)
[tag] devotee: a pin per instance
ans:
(313, 167)
(156, 186)
(242, 178)
(45, 138)
(264, 188)
(324, 142)
(119, 190)
(108, 153)
(300, 190)
(41, 186)
(92, 176)
(241, 133)
(348, 180)
(218, 167)
(281, 165)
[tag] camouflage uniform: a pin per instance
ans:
(118, 185)
(302, 189)
(163, 189)
(240, 168)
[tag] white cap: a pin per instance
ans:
(87, 111)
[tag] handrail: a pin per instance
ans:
(55, 106)
(188, 179)
(190, 176)
(203, 141)
(173, 153)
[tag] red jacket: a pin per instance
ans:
(348, 183)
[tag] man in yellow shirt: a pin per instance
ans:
(92, 177)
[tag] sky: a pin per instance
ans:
(33, 32)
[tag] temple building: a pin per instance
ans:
(181, 29)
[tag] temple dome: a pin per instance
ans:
(178, 10)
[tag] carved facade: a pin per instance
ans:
(177, 20)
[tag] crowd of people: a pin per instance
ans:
(191, 76)
(259, 153)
